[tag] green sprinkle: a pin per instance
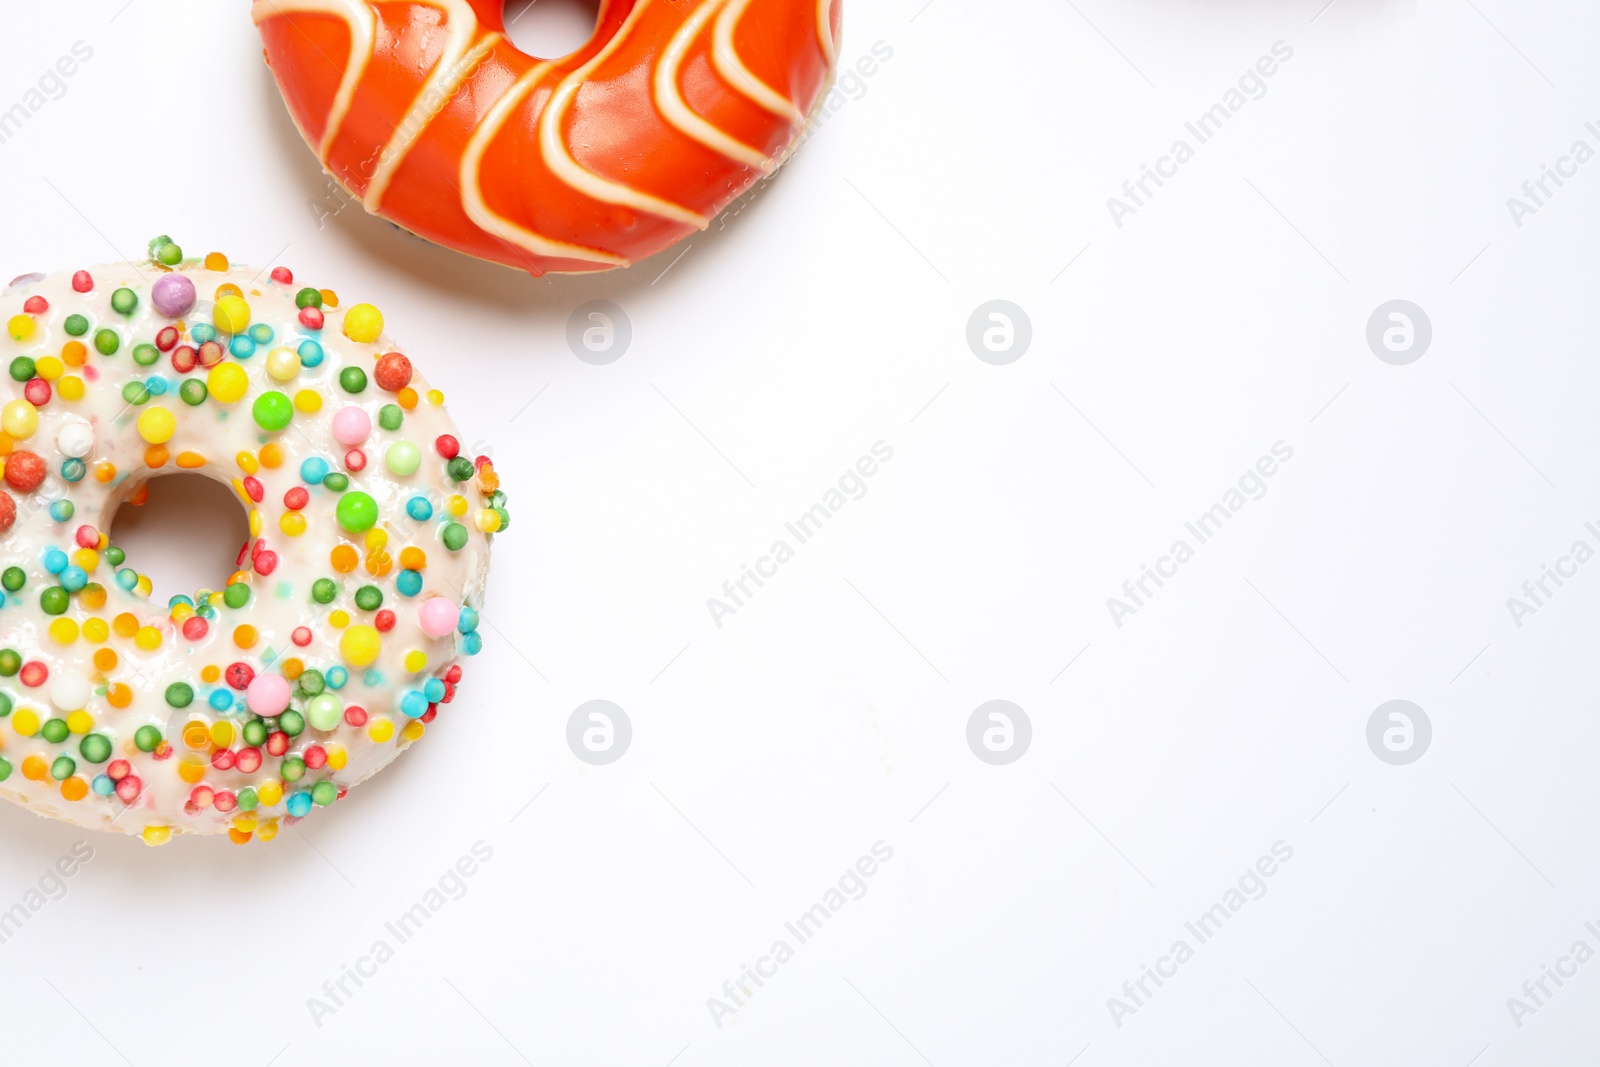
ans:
(255, 732)
(454, 536)
(357, 512)
(180, 694)
(53, 600)
(193, 392)
(323, 590)
(13, 578)
(76, 325)
(106, 342)
(146, 354)
(169, 254)
(10, 662)
(55, 731)
(308, 298)
(292, 723)
(369, 598)
(147, 738)
(324, 793)
(273, 411)
(353, 379)
(337, 482)
(21, 369)
(96, 748)
(390, 416)
(236, 595)
(460, 469)
(63, 768)
(135, 393)
(123, 301)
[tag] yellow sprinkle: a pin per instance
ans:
(147, 637)
(338, 619)
(20, 327)
(255, 522)
(19, 419)
(292, 523)
(157, 424)
(337, 757)
(232, 315)
(80, 722)
(308, 402)
(283, 363)
(87, 558)
(191, 769)
(457, 505)
(435, 397)
(416, 660)
(268, 830)
(25, 722)
(226, 383)
(49, 368)
(414, 729)
(379, 729)
(247, 462)
(71, 388)
(363, 323)
(269, 792)
(222, 734)
(155, 836)
(95, 630)
(63, 631)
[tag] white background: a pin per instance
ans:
(830, 712)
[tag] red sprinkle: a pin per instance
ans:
(117, 770)
(355, 715)
(355, 460)
(266, 562)
(431, 714)
(384, 621)
(24, 471)
(277, 743)
(36, 392)
(311, 318)
(252, 488)
(82, 282)
(447, 446)
(167, 339)
(301, 636)
(225, 801)
(8, 510)
(248, 760)
(239, 675)
(211, 354)
(283, 275)
(296, 498)
(87, 536)
(195, 628)
(453, 675)
(129, 788)
(36, 305)
(184, 358)
(223, 759)
(316, 757)
(393, 372)
(34, 674)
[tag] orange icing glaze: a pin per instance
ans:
(430, 116)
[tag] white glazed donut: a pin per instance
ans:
(354, 603)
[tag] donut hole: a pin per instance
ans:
(550, 29)
(185, 537)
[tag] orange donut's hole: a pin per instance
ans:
(550, 29)
(184, 537)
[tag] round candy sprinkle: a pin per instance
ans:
(357, 512)
(403, 458)
(272, 411)
(267, 694)
(231, 314)
(393, 372)
(351, 425)
(437, 616)
(363, 323)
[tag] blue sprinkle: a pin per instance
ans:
(261, 333)
(74, 578)
(469, 621)
(299, 804)
(241, 346)
(371, 678)
(220, 699)
(313, 470)
(202, 332)
(419, 508)
(310, 353)
(55, 560)
(409, 583)
(336, 677)
(414, 704)
(178, 598)
(61, 510)
(434, 690)
(128, 578)
(104, 786)
(155, 385)
(472, 644)
(73, 470)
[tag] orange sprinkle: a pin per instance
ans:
(140, 495)
(379, 563)
(196, 735)
(191, 460)
(74, 788)
(126, 624)
(73, 354)
(293, 668)
(105, 659)
(228, 289)
(239, 837)
(330, 299)
(272, 455)
(407, 398)
(245, 636)
(34, 768)
(154, 456)
(104, 472)
(343, 558)
(210, 673)
(119, 695)
(217, 261)
(93, 596)
(413, 558)
(6, 444)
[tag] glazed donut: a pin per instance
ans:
(432, 118)
(330, 647)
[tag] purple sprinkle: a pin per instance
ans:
(173, 295)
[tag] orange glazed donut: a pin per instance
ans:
(426, 112)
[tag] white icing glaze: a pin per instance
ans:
(101, 429)
(675, 109)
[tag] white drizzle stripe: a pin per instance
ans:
(675, 109)
(725, 58)
(362, 21)
(560, 161)
(830, 47)
(477, 208)
(456, 63)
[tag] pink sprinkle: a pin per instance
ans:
(268, 695)
(351, 425)
(311, 318)
(438, 616)
(301, 636)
